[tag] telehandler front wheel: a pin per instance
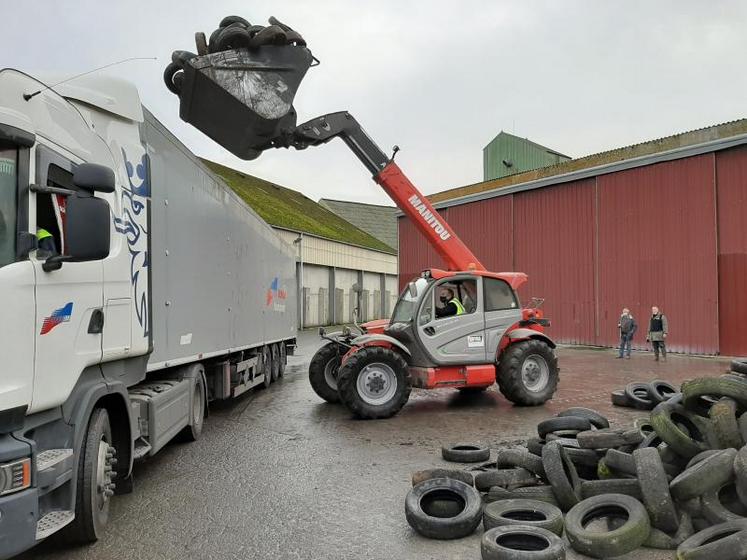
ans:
(528, 373)
(374, 383)
(323, 372)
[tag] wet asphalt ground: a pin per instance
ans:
(279, 474)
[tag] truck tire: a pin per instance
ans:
(374, 383)
(94, 487)
(193, 431)
(275, 362)
(528, 373)
(323, 371)
(283, 358)
(266, 366)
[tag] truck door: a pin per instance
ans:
(454, 339)
(66, 299)
(502, 310)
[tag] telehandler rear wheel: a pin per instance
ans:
(374, 383)
(528, 373)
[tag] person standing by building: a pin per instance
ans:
(657, 333)
(627, 326)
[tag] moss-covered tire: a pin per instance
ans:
(516, 457)
(323, 371)
(694, 389)
(561, 474)
(685, 433)
(655, 489)
(521, 542)
(668, 541)
(374, 383)
(627, 486)
(625, 538)
(428, 474)
(726, 540)
(723, 415)
(528, 373)
(709, 474)
(427, 513)
(533, 513)
(722, 504)
(596, 419)
(620, 461)
(465, 453)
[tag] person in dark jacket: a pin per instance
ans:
(657, 333)
(627, 326)
(450, 304)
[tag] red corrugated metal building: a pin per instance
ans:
(665, 228)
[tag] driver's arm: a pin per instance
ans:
(447, 310)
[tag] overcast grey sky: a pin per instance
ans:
(440, 79)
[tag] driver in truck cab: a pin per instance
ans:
(450, 304)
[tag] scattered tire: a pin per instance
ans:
(619, 398)
(504, 477)
(666, 541)
(660, 391)
(456, 474)
(723, 415)
(561, 474)
(521, 542)
(683, 431)
(627, 486)
(540, 493)
(520, 458)
(694, 389)
(727, 540)
(426, 512)
(739, 366)
(655, 489)
(700, 456)
(528, 373)
(740, 472)
(498, 493)
(710, 473)
(625, 538)
(323, 371)
(596, 419)
(563, 423)
(608, 438)
(465, 453)
(722, 504)
(535, 445)
(374, 382)
(582, 457)
(639, 396)
(620, 462)
(523, 512)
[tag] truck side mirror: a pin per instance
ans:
(87, 231)
(93, 177)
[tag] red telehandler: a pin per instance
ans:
(239, 89)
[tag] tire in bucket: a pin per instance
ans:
(323, 372)
(443, 508)
(374, 383)
(528, 373)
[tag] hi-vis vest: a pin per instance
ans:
(459, 306)
(42, 233)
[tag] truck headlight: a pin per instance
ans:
(15, 476)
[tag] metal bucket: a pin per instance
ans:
(243, 99)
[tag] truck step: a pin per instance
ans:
(54, 468)
(141, 449)
(53, 522)
(48, 459)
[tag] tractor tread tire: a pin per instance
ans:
(509, 376)
(316, 372)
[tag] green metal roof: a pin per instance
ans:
(507, 154)
(285, 208)
(380, 221)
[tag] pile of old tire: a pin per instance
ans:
(233, 32)
(675, 480)
(643, 396)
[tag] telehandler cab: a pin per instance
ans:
(239, 90)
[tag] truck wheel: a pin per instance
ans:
(374, 382)
(275, 362)
(283, 358)
(197, 414)
(267, 366)
(95, 486)
(323, 372)
(528, 373)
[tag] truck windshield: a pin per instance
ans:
(8, 196)
(407, 304)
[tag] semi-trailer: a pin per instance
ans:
(135, 288)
